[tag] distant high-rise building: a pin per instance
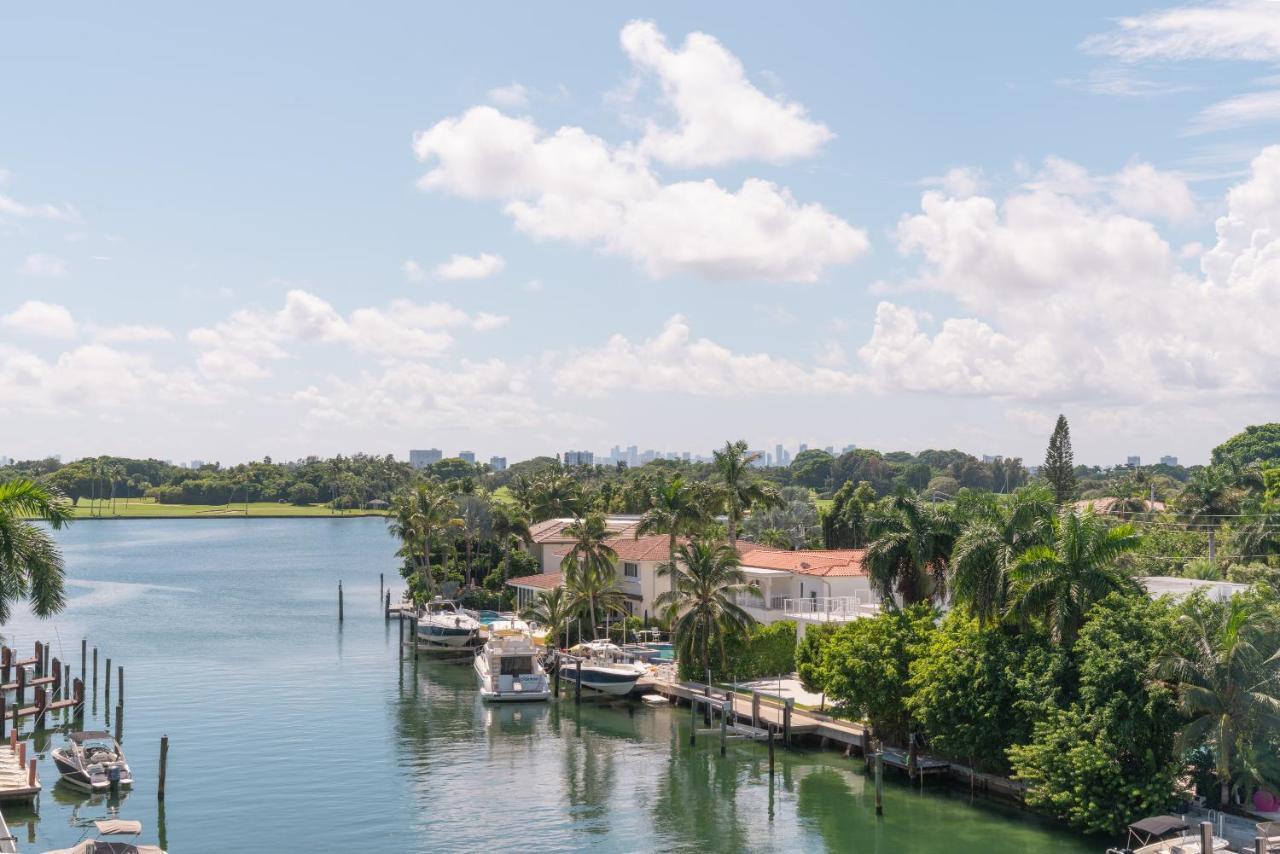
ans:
(803, 448)
(1168, 461)
(579, 458)
(420, 459)
(648, 456)
(195, 464)
(830, 449)
(686, 456)
(1133, 462)
(4, 461)
(779, 455)
(849, 449)
(497, 463)
(987, 458)
(467, 456)
(633, 456)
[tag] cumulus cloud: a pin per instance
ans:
(241, 347)
(131, 333)
(93, 377)
(514, 95)
(674, 361)
(1142, 189)
(46, 319)
(1231, 29)
(413, 271)
(47, 266)
(570, 185)
(721, 116)
(480, 266)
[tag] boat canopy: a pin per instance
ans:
(118, 825)
(90, 735)
(1157, 826)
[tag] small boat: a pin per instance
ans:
(507, 665)
(605, 668)
(446, 626)
(92, 761)
(1164, 834)
(112, 827)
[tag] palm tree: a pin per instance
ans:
(477, 523)
(700, 605)
(992, 539)
(910, 548)
(676, 508)
(510, 527)
(555, 609)
(1075, 567)
(1206, 498)
(555, 495)
(30, 562)
(740, 488)
(418, 517)
(1227, 673)
(588, 568)
(1257, 537)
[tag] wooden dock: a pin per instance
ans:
(18, 779)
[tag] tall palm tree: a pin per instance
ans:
(993, 536)
(700, 605)
(555, 494)
(30, 562)
(475, 513)
(740, 488)
(589, 568)
(418, 518)
(1227, 673)
(555, 609)
(676, 508)
(1257, 537)
(1075, 567)
(910, 548)
(1207, 497)
(510, 527)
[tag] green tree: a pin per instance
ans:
(510, 529)
(910, 549)
(739, 486)
(1226, 670)
(1059, 465)
(554, 609)
(812, 468)
(1260, 442)
(418, 518)
(676, 508)
(555, 495)
(1078, 565)
(701, 604)
(303, 494)
(994, 535)
(1207, 497)
(844, 525)
(589, 569)
(30, 561)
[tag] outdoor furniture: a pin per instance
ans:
(1270, 831)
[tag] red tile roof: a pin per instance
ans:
(551, 531)
(820, 562)
(631, 548)
(541, 581)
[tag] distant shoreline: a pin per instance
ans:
(255, 510)
(177, 517)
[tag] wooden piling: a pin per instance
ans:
(39, 657)
(380, 587)
(786, 721)
(106, 685)
(78, 693)
(755, 709)
(879, 782)
(95, 673)
(42, 705)
(66, 681)
(84, 658)
(339, 601)
(693, 719)
(31, 774)
(555, 661)
(770, 752)
(1206, 837)
(577, 682)
(6, 664)
(120, 723)
(164, 765)
(401, 636)
(387, 607)
(22, 753)
(22, 686)
(57, 676)
(47, 650)
(120, 685)
(724, 723)
(1260, 845)
(2, 716)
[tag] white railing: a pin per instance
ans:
(758, 602)
(830, 607)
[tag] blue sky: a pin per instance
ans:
(309, 228)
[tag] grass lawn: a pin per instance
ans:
(824, 504)
(146, 508)
(503, 495)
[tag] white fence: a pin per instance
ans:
(825, 608)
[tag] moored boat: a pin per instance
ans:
(507, 665)
(446, 626)
(605, 668)
(92, 761)
(112, 827)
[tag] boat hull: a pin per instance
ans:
(77, 777)
(607, 681)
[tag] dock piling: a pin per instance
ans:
(106, 685)
(39, 657)
(786, 721)
(22, 686)
(84, 657)
(577, 682)
(31, 774)
(164, 765)
(42, 705)
(6, 664)
(120, 723)
(387, 607)
(1260, 845)
(693, 720)
(2, 716)
(879, 782)
(95, 674)
(724, 722)
(380, 587)
(402, 637)
(339, 601)
(1206, 837)
(755, 709)
(770, 753)
(120, 685)
(555, 662)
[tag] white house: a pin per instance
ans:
(550, 542)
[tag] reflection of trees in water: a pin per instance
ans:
(837, 810)
(590, 776)
(440, 705)
(697, 797)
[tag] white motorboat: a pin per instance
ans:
(507, 665)
(605, 668)
(1165, 834)
(112, 827)
(446, 626)
(92, 761)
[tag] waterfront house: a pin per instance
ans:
(549, 542)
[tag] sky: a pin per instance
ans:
(242, 230)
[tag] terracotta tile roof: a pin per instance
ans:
(541, 581)
(820, 562)
(551, 531)
(1107, 505)
(630, 548)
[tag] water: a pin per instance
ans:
(290, 734)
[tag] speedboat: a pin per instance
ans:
(507, 665)
(605, 668)
(1164, 834)
(446, 626)
(112, 827)
(92, 761)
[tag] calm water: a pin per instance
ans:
(290, 734)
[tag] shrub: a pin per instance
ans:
(303, 493)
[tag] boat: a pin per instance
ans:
(605, 668)
(1164, 834)
(112, 827)
(446, 626)
(507, 665)
(92, 761)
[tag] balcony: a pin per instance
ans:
(823, 609)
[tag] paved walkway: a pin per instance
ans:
(788, 687)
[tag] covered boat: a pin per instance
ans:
(446, 626)
(112, 827)
(92, 761)
(606, 668)
(507, 666)
(1164, 834)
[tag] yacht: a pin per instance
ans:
(92, 761)
(605, 668)
(507, 665)
(446, 626)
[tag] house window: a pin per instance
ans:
(631, 608)
(631, 570)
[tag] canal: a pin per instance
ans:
(289, 732)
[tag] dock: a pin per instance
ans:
(18, 779)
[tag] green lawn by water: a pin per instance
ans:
(147, 509)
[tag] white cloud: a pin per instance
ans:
(470, 267)
(1232, 29)
(10, 206)
(533, 286)
(831, 354)
(131, 333)
(240, 347)
(514, 95)
(413, 271)
(1122, 83)
(573, 186)
(1142, 189)
(34, 317)
(721, 116)
(39, 264)
(675, 362)
(1238, 111)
